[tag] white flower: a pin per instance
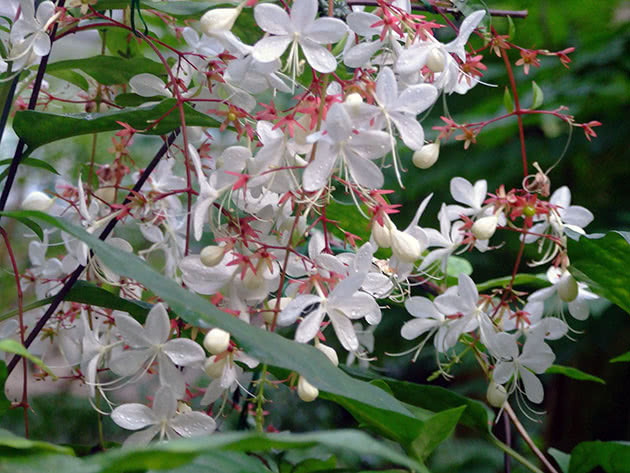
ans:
(536, 357)
(149, 343)
(428, 319)
(37, 200)
(472, 196)
(299, 28)
(28, 34)
(162, 418)
(449, 238)
(354, 148)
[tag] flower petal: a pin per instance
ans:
(193, 424)
(270, 48)
(133, 416)
(183, 351)
(318, 56)
(272, 19)
(158, 325)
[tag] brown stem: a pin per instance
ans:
(452, 11)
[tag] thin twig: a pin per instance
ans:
(451, 11)
(521, 430)
(74, 277)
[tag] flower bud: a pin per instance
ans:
(253, 280)
(183, 408)
(405, 247)
(426, 156)
(306, 391)
(567, 287)
(219, 20)
(354, 100)
(435, 60)
(268, 314)
(330, 353)
(214, 367)
(106, 194)
(211, 255)
(216, 341)
(37, 200)
(484, 228)
(382, 233)
(496, 394)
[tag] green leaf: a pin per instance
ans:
(180, 452)
(224, 462)
(134, 100)
(507, 100)
(539, 97)
(72, 77)
(603, 264)
(181, 8)
(534, 280)
(349, 219)
(5, 404)
(456, 265)
(621, 358)
(573, 373)
(32, 162)
(315, 464)
(39, 128)
(110, 70)
(87, 293)
(17, 462)
(436, 429)
(612, 457)
(32, 225)
(9, 440)
(561, 458)
(13, 346)
(511, 28)
(265, 346)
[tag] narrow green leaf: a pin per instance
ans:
(603, 264)
(539, 97)
(611, 457)
(11, 441)
(5, 404)
(13, 346)
(39, 128)
(265, 346)
(224, 462)
(507, 100)
(561, 458)
(72, 77)
(315, 464)
(179, 452)
(110, 70)
(179, 9)
(134, 100)
(621, 358)
(533, 280)
(32, 162)
(511, 28)
(574, 373)
(32, 225)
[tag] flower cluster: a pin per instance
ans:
(254, 193)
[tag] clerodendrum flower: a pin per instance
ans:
(299, 28)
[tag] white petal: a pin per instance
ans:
(503, 371)
(164, 403)
(158, 325)
(462, 190)
(295, 308)
(183, 351)
(129, 362)
(41, 44)
(131, 330)
(537, 355)
(272, 19)
(270, 48)
(326, 30)
(364, 172)
(361, 23)
(416, 327)
(360, 55)
(344, 330)
(148, 85)
(422, 307)
(142, 438)
(318, 56)
(533, 387)
(133, 416)
(319, 170)
(410, 130)
(193, 424)
(308, 328)
(578, 308)
(416, 99)
(386, 88)
(358, 306)
(203, 279)
(561, 197)
(465, 30)
(303, 14)
(467, 290)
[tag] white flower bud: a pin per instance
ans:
(268, 314)
(567, 287)
(214, 367)
(484, 228)
(354, 100)
(382, 235)
(211, 255)
(306, 391)
(496, 394)
(405, 247)
(435, 60)
(216, 341)
(253, 281)
(330, 353)
(37, 200)
(426, 156)
(219, 20)
(106, 194)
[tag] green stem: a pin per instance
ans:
(514, 454)
(260, 400)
